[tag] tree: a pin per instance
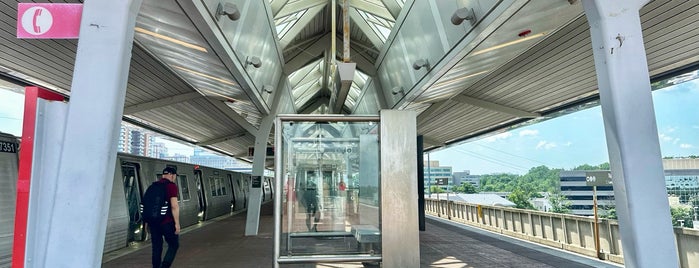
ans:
(609, 213)
(682, 216)
(559, 203)
(521, 199)
(466, 188)
(436, 189)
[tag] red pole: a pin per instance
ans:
(31, 95)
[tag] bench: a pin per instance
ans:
(366, 236)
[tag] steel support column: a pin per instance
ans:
(252, 221)
(631, 131)
(78, 220)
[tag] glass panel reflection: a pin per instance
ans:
(330, 203)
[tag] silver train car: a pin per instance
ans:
(204, 193)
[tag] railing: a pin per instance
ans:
(567, 232)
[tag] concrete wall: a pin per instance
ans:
(567, 232)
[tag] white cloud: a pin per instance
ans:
(671, 129)
(686, 146)
(528, 132)
(545, 145)
(675, 141)
(664, 137)
(568, 144)
(500, 136)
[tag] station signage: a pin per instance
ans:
(598, 178)
(256, 182)
(48, 21)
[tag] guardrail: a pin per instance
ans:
(567, 232)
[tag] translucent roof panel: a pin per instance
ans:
(381, 26)
(356, 89)
(285, 23)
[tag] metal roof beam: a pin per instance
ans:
(373, 9)
(363, 64)
(364, 27)
(277, 6)
(160, 103)
(494, 106)
(313, 105)
(309, 53)
(294, 7)
(221, 139)
(300, 25)
(233, 115)
(393, 7)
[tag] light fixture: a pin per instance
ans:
(229, 10)
(397, 90)
(418, 64)
(462, 14)
(254, 61)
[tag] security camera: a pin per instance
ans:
(254, 61)
(229, 10)
(420, 63)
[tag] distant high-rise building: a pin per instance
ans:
(574, 187)
(465, 176)
(136, 141)
(435, 173)
(201, 157)
(681, 180)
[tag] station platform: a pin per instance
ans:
(222, 243)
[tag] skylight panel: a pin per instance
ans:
(380, 26)
(284, 24)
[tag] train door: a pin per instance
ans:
(230, 181)
(200, 194)
(132, 191)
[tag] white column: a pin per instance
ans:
(632, 135)
(252, 221)
(86, 169)
(400, 238)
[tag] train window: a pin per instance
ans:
(212, 183)
(184, 186)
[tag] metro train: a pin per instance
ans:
(204, 193)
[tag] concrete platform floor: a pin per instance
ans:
(222, 243)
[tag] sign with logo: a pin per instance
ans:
(442, 181)
(45, 21)
(598, 178)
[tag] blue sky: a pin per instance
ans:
(563, 142)
(577, 138)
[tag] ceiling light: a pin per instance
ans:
(169, 39)
(205, 75)
(509, 43)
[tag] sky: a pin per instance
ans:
(576, 139)
(564, 142)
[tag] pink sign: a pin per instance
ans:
(43, 21)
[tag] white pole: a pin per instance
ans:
(632, 135)
(86, 168)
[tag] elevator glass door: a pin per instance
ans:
(327, 168)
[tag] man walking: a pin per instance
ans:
(169, 227)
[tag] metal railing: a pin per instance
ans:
(567, 232)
